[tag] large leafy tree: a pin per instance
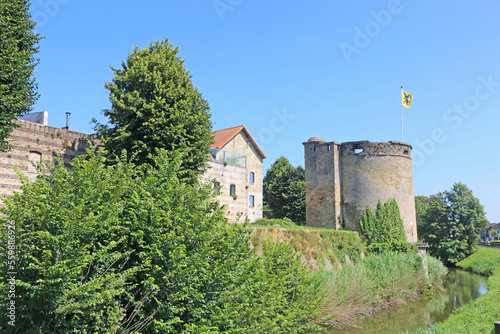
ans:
(18, 45)
(450, 223)
(285, 191)
(155, 105)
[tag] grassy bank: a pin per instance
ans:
(319, 248)
(479, 315)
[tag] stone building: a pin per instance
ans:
(237, 167)
(343, 179)
(35, 141)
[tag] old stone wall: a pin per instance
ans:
(343, 179)
(373, 172)
(37, 143)
(322, 179)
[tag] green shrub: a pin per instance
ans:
(383, 226)
(128, 248)
(275, 222)
(393, 246)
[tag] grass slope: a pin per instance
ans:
(319, 248)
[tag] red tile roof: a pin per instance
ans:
(222, 137)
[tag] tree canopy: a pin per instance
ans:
(155, 105)
(285, 191)
(450, 223)
(18, 45)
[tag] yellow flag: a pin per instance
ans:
(406, 99)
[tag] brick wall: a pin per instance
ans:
(38, 143)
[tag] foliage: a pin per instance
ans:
(286, 304)
(422, 204)
(155, 105)
(274, 222)
(315, 245)
(436, 269)
(451, 223)
(393, 246)
(18, 45)
(478, 316)
(381, 280)
(127, 249)
(285, 191)
(384, 228)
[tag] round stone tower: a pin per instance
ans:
(370, 172)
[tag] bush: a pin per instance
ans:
(273, 222)
(393, 246)
(129, 248)
(383, 226)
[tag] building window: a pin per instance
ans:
(252, 201)
(252, 177)
(217, 187)
(232, 190)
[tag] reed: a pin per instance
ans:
(380, 281)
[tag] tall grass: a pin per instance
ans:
(379, 281)
(437, 270)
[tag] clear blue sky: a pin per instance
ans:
(290, 70)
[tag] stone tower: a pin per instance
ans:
(343, 179)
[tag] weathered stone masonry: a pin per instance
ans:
(34, 142)
(343, 179)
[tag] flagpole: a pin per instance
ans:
(401, 113)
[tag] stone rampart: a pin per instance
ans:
(343, 179)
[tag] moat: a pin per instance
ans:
(460, 287)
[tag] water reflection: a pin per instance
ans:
(460, 287)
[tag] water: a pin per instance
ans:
(460, 288)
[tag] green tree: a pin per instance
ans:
(422, 203)
(121, 248)
(18, 45)
(285, 191)
(155, 105)
(451, 224)
(383, 226)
